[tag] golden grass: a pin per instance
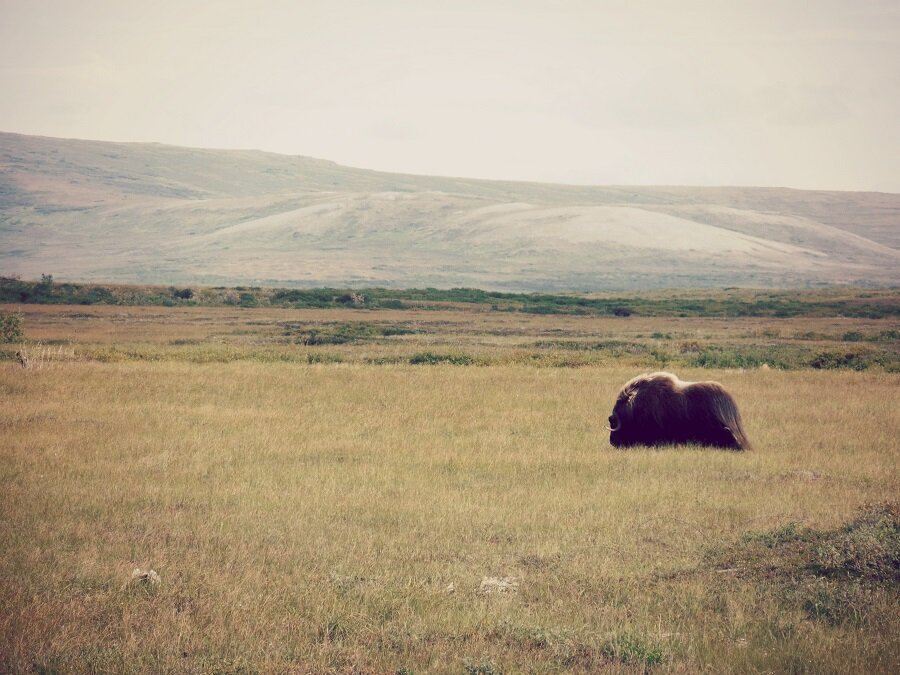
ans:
(314, 518)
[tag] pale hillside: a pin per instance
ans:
(85, 210)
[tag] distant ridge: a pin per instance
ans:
(151, 213)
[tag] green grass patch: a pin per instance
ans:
(630, 648)
(845, 575)
(868, 547)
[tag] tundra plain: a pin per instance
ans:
(436, 493)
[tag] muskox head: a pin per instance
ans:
(660, 409)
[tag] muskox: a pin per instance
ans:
(660, 409)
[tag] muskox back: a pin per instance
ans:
(660, 409)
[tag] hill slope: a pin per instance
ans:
(86, 210)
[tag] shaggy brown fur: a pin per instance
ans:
(660, 409)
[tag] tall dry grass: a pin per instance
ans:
(341, 518)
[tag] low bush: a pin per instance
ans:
(432, 359)
(12, 327)
(832, 360)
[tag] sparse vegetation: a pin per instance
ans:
(486, 338)
(852, 303)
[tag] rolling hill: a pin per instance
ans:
(150, 213)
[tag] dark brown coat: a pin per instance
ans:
(660, 409)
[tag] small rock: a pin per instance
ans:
(450, 589)
(491, 585)
(144, 577)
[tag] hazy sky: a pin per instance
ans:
(723, 92)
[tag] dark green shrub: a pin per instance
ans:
(833, 360)
(12, 327)
(299, 298)
(432, 359)
(98, 295)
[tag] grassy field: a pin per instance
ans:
(433, 491)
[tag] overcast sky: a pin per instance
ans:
(689, 92)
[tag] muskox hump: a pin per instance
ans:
(659, 409)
